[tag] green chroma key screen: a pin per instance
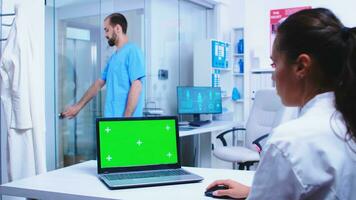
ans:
(131, 143)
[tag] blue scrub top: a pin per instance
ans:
(124, 66)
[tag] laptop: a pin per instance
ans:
(137, 152)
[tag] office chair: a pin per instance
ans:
(266, 113)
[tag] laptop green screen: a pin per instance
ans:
(130, 143)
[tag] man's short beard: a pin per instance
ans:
(112, 40)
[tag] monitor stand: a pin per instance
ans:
(196, 117)
(197, 122)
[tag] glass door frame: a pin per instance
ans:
(52, 79)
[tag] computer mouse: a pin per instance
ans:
(209, 192)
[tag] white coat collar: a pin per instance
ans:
(320, 99)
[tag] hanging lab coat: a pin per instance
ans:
(22, 94)
(307, 158)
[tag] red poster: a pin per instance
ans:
(277, 16)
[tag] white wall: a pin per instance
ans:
(229, 14)
(91, 8)
(172, 28)
(253, 15)
(163, 45)
(257, 29)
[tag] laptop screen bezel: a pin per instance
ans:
(136, 168)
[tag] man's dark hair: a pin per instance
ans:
(118, 18)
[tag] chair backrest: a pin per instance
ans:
(266, 113)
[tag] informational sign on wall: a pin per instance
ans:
(277, 17)
(219, 54)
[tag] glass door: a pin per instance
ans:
(81, 54)
(164, 29)
(78, 68)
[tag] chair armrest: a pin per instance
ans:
(258, 142)
(221, 135)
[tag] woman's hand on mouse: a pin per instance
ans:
(236, 190)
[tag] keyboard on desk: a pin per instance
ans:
(138, 175)
(199, 123)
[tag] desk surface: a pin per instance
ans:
(79, 182)
(213, 126)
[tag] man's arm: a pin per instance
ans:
(133, 97)
(73, 110)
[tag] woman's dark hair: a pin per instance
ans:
(118, 18)
(320, 34)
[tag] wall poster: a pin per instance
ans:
(277, 17)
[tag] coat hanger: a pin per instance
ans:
(8, 25)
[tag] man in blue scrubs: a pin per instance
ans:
(124, 75)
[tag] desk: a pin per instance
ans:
(79, 182)
(202, 151)
(211, 127)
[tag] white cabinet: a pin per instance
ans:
(222, 64)
(239, 85)
(260, 79)
(246, 80)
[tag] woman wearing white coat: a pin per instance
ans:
(313, 156)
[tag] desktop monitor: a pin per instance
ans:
(199, 100)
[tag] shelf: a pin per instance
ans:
(263, 70)
(226, 97)
(238, 54)
(238, 28)
(239, 101)
(222, 69)
(238, 74)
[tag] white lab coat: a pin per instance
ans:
(307, 158)
(22, 93)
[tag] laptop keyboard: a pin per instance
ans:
(135, 175)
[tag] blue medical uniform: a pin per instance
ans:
(124, 66)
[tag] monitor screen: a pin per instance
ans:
(137, 142)
(199, 100)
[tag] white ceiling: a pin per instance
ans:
(61, 3)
